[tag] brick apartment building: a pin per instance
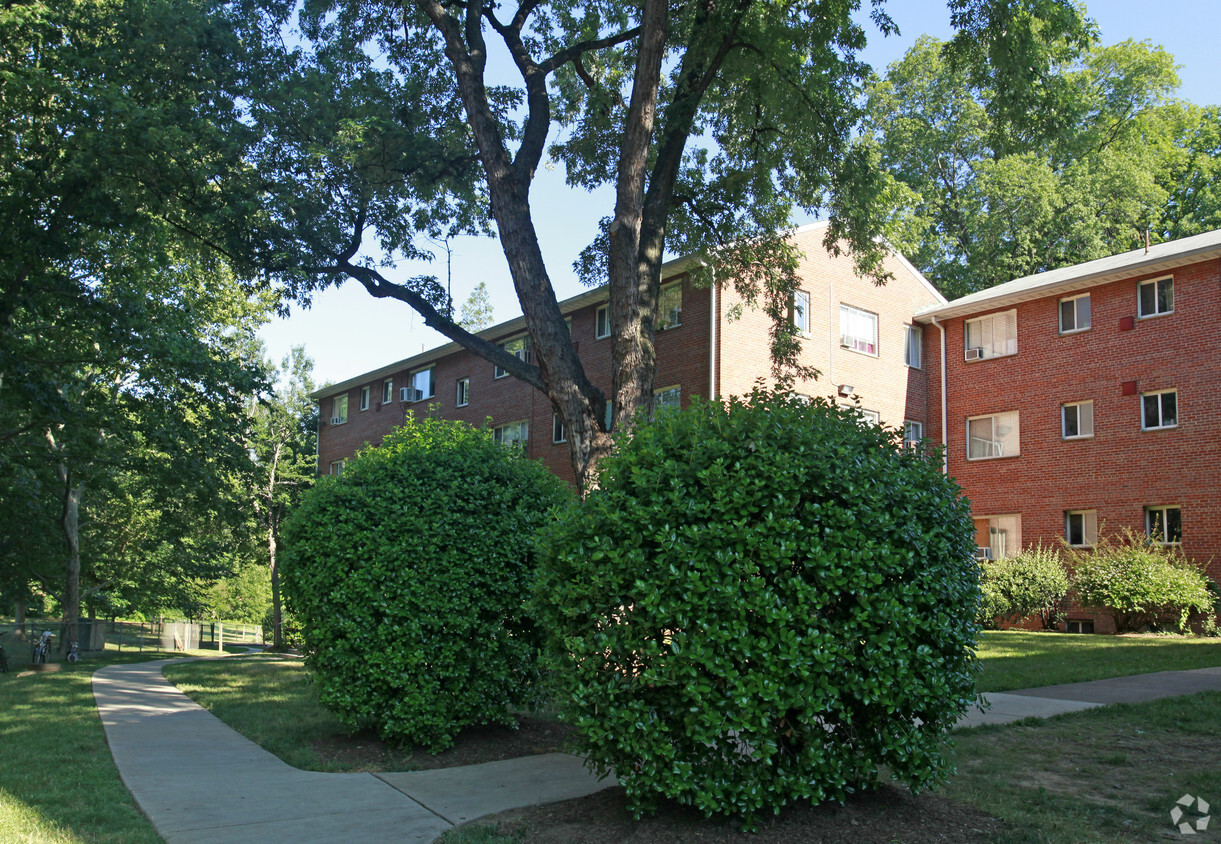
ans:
(1070, 402)
(859, 336)
(1087, 399)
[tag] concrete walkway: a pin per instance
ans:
(199, 781)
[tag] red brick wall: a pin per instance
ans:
(1121, 469)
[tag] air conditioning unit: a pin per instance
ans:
(983, 552)
(975, 354)
(336, 420)
(410, 394)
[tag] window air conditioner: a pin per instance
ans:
(975, 354)
(984, 552)
(336, 420)
(410, 394)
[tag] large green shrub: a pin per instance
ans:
(1034, 583)
(761, 603)
(1140, 583)
(409, 574)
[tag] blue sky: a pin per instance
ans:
(347, 332)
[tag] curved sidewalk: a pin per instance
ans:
(200, 781)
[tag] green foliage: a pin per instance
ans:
(763, 602)
(408, 574)
(1140, 583)
(982, 192)
(1034, 582)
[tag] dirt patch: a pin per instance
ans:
(365, 751)
(888, 814)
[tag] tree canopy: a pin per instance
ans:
(979, 200)
(713, 122)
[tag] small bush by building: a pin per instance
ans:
(408, 574)
(763, 602)
(1140, 583)
(1034, 583)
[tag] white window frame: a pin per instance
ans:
(668, 397)
(1155, 284)
(602, 323)
(522, 352)
(1004, 535)
(1088, 520)
(800, 312)
(1161, 410)
(1075, 302)
(913, 433)
(409, 393)
(669, 307)
(989, 346)
(365, 395)
(849, 319)
(1163, 524)
(558, 434)
(1082, 415)
(462, 395)
(339, 410)
(869, 417)
(913, 346)
(337, 466)
(520, 433)
(996, 444)
(387, 391)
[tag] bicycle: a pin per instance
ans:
(42, 648)
(73, 651)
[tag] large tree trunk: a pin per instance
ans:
(277, 618)
(70, 525)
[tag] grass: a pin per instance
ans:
(1107, 774)
(1015, 659)
(271, 701)
(58, 782)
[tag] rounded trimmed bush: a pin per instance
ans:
(763, 602)
(409, 575)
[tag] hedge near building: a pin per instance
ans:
(409, 574)
(763, 602)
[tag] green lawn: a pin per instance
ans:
(58, 781)
(1020, 660)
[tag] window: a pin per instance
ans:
(1159, 410)
(602, 323)
(388, 391)
(869, 417)
(339, 410)
(801, 312)
(913, 433)
(1155, 297)
(364, 397)
(464, 392)
(993, 436)
(670, 308)
(1078, 626)
(557, 429)
(1077, 420)
(1075, 314)
(337, 467)
(858, 330)
(913, 346)
(668, 397)
(515, 433)
(422, 386)
(998, 536)
(519, 347)
(1164, 524)
(1081, 528)
(992, 336)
